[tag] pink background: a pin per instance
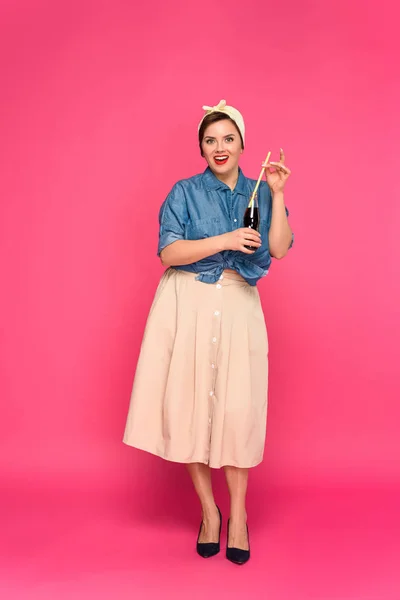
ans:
(100, 104)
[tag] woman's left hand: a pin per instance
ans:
(277, 179)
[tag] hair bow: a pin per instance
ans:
(220, 107)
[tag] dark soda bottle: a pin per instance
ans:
(251, 219)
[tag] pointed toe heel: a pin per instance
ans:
(237, 555)
(209, 549)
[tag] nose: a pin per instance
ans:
(220, 145)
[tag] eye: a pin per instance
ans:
(229, 138)
(209, 141)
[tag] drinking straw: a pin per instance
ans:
(258, 182)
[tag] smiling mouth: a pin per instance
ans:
(221, 160)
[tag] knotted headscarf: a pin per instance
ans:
(230, 111)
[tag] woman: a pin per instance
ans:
(200, 390)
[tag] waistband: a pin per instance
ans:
(226, 275)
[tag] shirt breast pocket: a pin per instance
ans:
(204, 228)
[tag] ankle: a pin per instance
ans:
(238, 516)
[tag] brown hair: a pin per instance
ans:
(213, 118)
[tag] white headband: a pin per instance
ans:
(231, 112)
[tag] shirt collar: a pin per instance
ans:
(213, 183)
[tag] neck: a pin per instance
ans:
(230, 178)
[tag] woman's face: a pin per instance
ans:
(222, 147)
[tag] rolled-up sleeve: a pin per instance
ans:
(172, 218)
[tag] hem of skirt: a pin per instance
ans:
(194, 460)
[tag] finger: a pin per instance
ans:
(251, 230)
(281, 168)
(251, 242)
(247, 251)
(286, 172)
(252, 237)
(278, 170)
(267, 168)
(282, 156)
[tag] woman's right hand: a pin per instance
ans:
(239, 238)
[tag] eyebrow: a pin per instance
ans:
(210, 137)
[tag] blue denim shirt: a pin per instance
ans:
(203, 206)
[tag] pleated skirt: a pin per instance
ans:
(200, 388)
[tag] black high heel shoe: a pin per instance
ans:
(237, 555)
(208, 549)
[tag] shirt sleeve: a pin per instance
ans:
(287, 214)
(172, 218)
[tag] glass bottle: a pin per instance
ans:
(251, 218)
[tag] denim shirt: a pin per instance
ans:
(203, 206)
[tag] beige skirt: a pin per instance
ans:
(200, 389)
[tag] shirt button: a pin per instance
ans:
(221, 277)
(214, 340)
(219, 286)
(216, 313)
(235, 220)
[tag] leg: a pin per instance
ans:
(201, 477)
(237, 484)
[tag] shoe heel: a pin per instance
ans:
(237, 555)
(209, 549)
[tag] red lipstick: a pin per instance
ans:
(221, 162)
